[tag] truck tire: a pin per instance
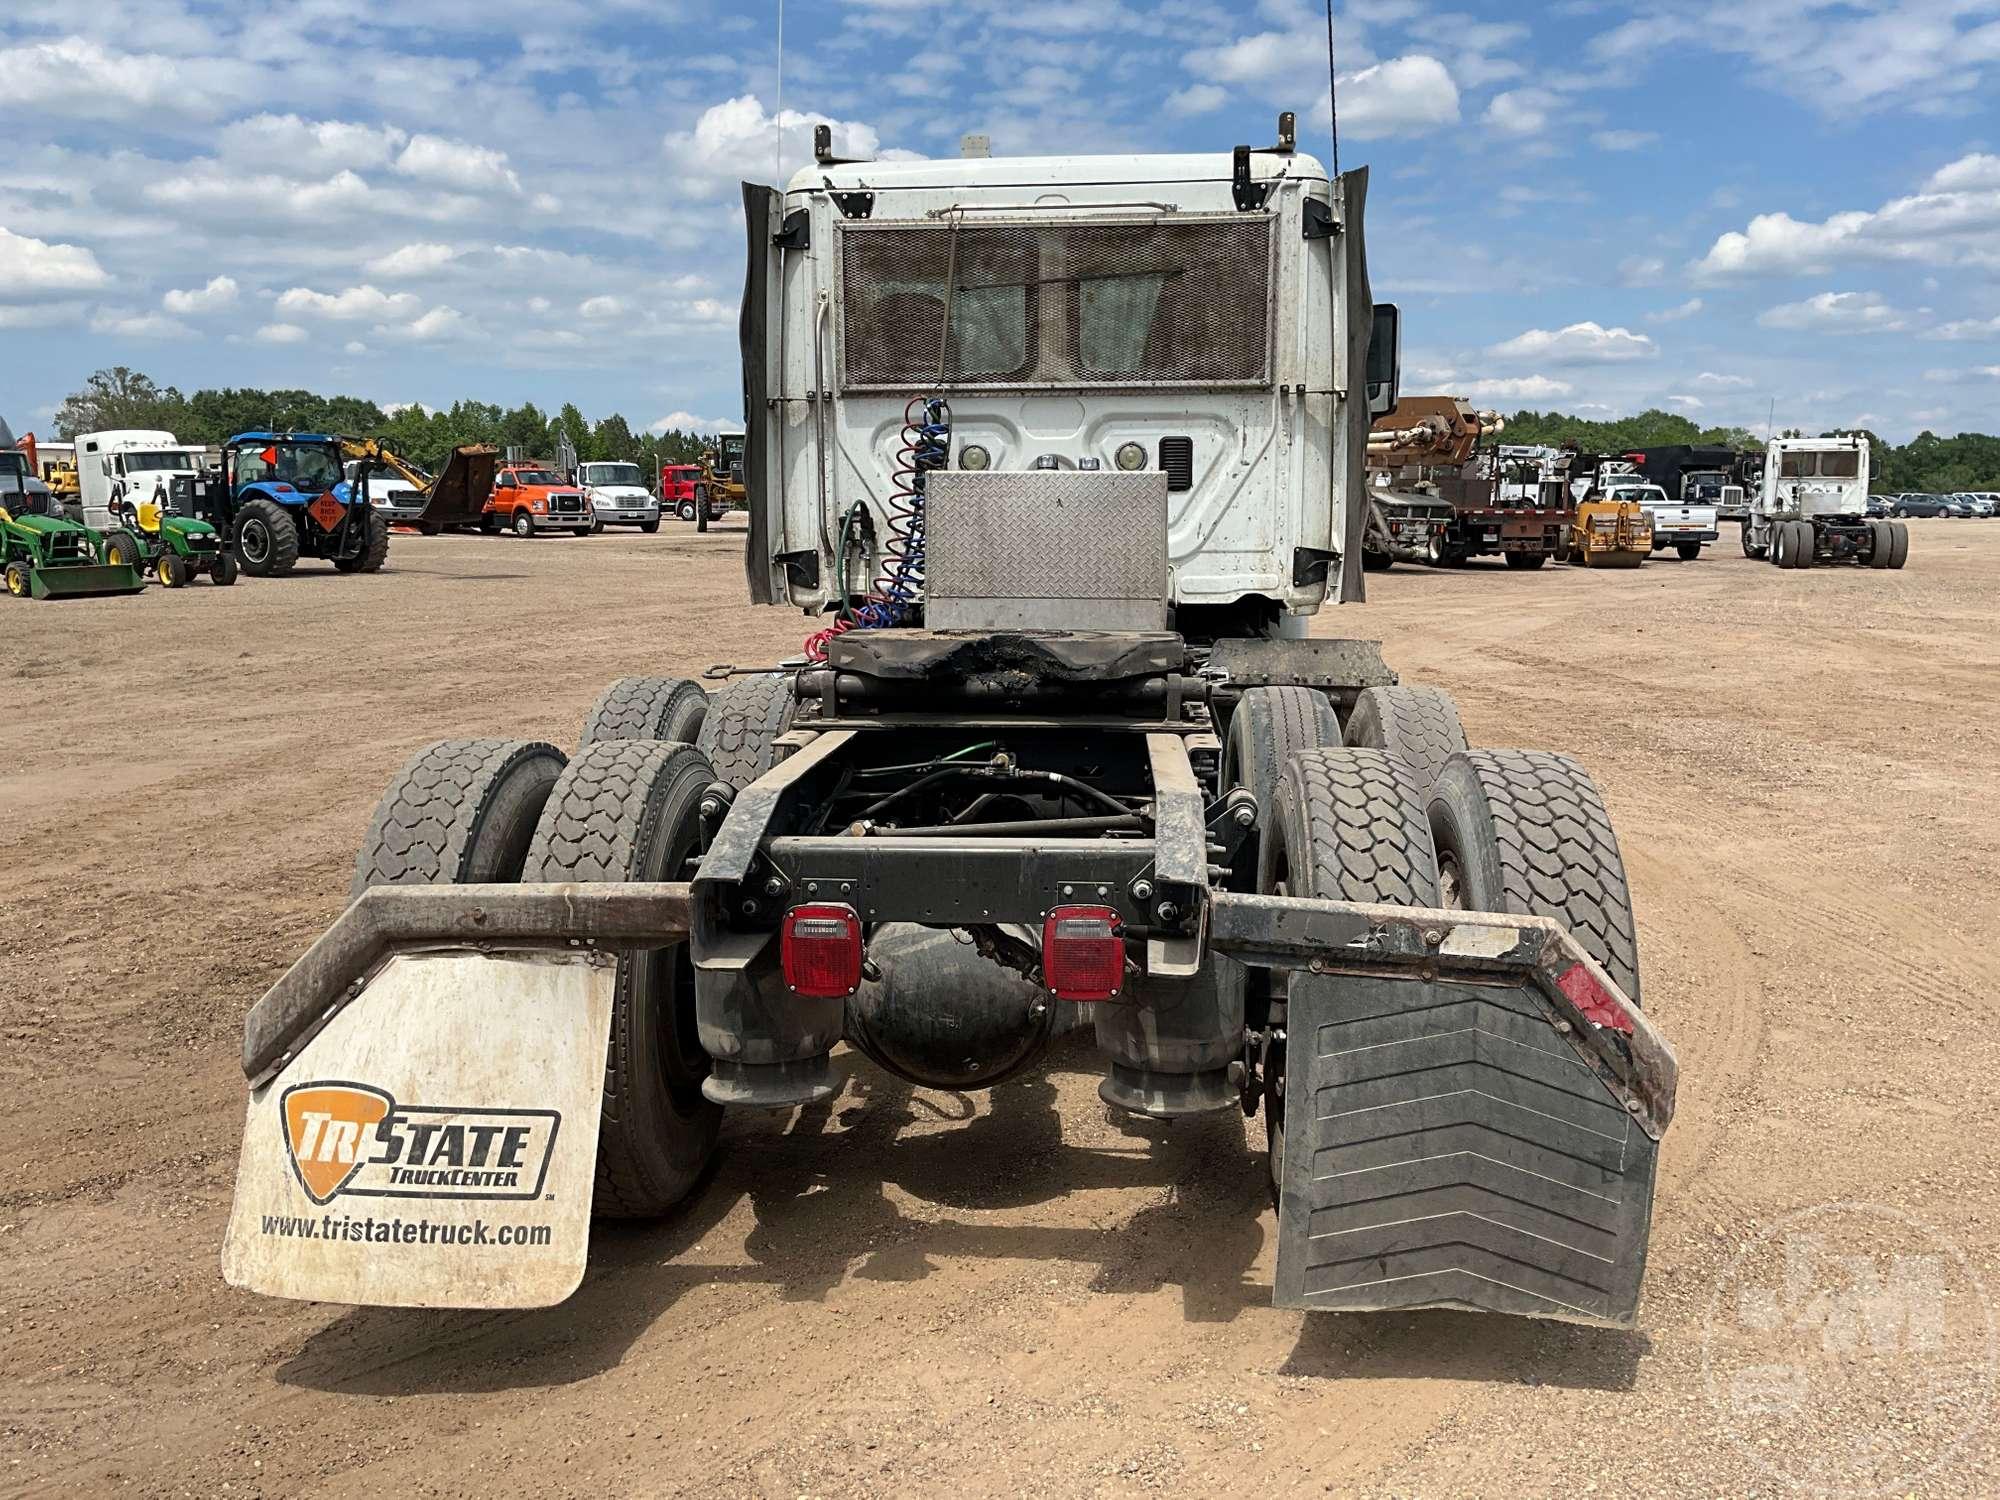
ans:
(630, 810)
(1688, 551)
(647, 708)
(1418, 725)
(686, 511)
(1525, 831)
(1901, 552)
(1751, 546)
(740, 734)
(1270, 725)
(524, 523)
(265, 539)
(1526, 561)
(460, 812)
(1881, 544)
(374, 551)
(1350, 826)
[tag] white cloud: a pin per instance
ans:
(218, 294)
(458, 164)
(353, 304)
(31, 266)
(1969, 173)
(287, 143)
(1641, 270)
(78, 78)
(1836, 312)
(1678, 313)
(1723, 382)
(412, 260)
(711, 310)
(1583, 343)
(1686, 403)
(602, 307)
(281, 333)
(1196, 99)
(1521, 388)
(1952, 221)
(438, 323)
(1405, 95)
(1520, 111)
(731, 136)
(138, 325)
(687, 421)
(1967, 328)
(355, 346)
(1624, 140)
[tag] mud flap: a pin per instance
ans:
(435, 1144)
(1448, 1145)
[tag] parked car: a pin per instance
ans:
(1918, 505)
(1976, 504)
(1881, 505)
(1951, 505)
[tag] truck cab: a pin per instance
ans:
(1082, 318)
(618, 496)
(130, 467)
(1684, 527)
(1812, 507)
(531, 497)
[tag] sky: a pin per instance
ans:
(1736, 209)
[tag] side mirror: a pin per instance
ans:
(1385, 359)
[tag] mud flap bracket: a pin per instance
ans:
(1472, 1112)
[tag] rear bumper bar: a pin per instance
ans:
(1277, 932)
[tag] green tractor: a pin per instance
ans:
(173, 548)
(46, 555)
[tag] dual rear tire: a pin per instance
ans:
(1515, 831)
(485, 811)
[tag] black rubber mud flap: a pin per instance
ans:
(1447, 1146)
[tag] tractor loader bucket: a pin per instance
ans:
(95, 578)
(1473, 1106)
(461, 491)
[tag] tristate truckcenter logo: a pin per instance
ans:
(355, 1139)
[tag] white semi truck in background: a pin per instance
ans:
(129, 465)
(1812, 507)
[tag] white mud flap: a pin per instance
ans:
(435, 1144)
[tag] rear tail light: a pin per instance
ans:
(1083, 953)
(821, 949)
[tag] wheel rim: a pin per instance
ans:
(254, 540)
(166, 571)
(17, 582)
(522, 525)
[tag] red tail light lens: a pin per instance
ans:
(821, 949)
(1083, 953)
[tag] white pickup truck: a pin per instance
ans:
(1685, 528)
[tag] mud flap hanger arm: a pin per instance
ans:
(1610, 1033)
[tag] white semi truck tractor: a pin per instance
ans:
(1054, 460)
(1812, 508)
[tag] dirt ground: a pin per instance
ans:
(919, 1292)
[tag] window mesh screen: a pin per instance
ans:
(1153, 302)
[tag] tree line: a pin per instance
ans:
(1927, 463)
(122, 397)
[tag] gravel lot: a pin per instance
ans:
(1008, 1293)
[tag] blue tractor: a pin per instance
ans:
(283, 496)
